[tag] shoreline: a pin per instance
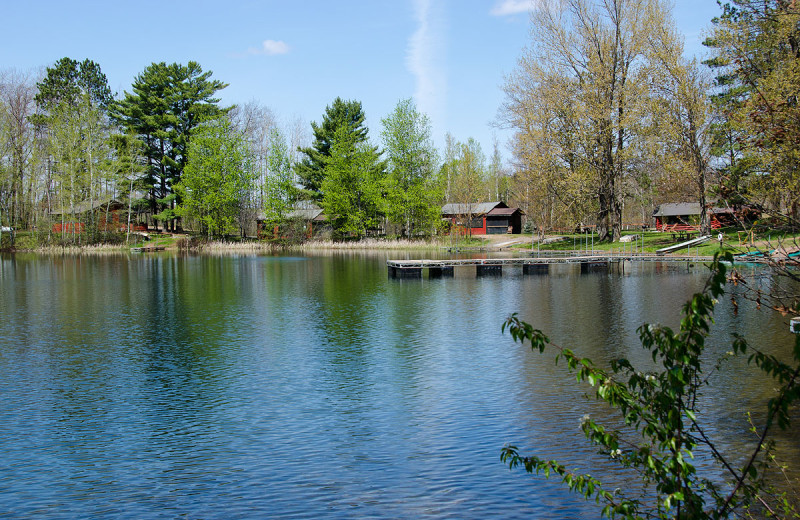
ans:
(233, 247)
(179, 243)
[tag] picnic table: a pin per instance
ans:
(682, 236)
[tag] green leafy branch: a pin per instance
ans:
(662, 407)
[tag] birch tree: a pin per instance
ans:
(18, 185)
(683, 110)
(595, 52)
(72, 101)
(413, 195)
(217, 174)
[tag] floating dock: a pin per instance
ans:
(147, 249)
(539, 265)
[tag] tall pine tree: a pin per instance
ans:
(72, 101)
(757, 57)
(340, 114)
(167, 103)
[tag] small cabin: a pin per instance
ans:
(484, 218)
(305, 211)
(110, 215)
(685, 216)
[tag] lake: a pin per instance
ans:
(235, 386)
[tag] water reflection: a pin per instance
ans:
(241, 386)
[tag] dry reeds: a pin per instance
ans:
(94, 249)
(250, 246)
(369, 244)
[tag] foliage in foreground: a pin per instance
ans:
(662, 407)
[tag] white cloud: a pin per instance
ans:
(508, 7)
(425, 61)
(271, 48)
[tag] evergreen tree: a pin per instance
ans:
(167, 103)
(73, 100)
(311, 169)
(757, 47)
(352, 183)
(68, 80)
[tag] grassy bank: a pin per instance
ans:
(651, 241)
(647, 242)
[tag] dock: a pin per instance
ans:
(147, 249)
(537, 265)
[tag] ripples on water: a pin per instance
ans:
(246, 387)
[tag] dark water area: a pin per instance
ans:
(297, 387)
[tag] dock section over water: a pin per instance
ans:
(539, 265)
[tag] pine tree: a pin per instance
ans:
(352, 184)
(757, 57)
(167, 103)
(311, 170)
(73, 100)
(67, 80)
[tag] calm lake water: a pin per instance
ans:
(299, 387)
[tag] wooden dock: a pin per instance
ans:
(537, 265)
(147, 249)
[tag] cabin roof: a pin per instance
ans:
(674, 209)
(303, 210)
(474, 208)
(305, 214)
(503, 212)
(86, 205)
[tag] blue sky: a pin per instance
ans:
(296, 56)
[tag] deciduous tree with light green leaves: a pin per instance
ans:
(585, 76)
(278, 190)
(217, 179)
(413, 194)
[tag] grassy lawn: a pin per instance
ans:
(156, 240)
(651, 241)
(464, 241)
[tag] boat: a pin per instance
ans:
(688, 243)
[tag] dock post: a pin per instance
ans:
(489, 270)
(405, 272)
(440, 272)
(535, 268)
(588, 267)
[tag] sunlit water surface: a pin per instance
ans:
(300, 387)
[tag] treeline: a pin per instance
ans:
(174, 157)
(611, 119)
